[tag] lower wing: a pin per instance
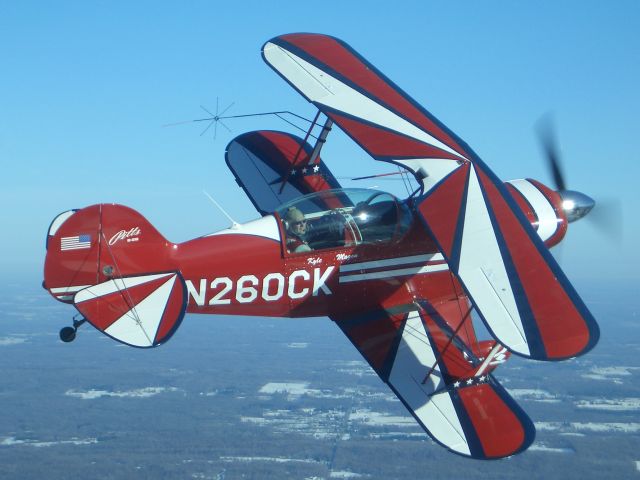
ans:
(441, 379)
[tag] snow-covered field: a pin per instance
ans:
(230, 459)
(611, 404)
(534, 395)
(4, 341)
(138, 393)
(541, 447)
(612, 374)
(13, 441)
(368, 417)
(335, 423)
(612, 427)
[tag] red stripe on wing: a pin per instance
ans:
(564, 330)
(379, 142)
(443, 222)
(500, 430)
(334, 54)
(449, 355)
(455, 312)
(279, 147)
(282, 149)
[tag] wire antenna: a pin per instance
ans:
(234, 224)
(217, 117)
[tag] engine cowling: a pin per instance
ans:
(543, 207)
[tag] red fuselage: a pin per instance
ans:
(245, 274)
(248, 271)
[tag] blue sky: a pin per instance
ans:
(86, 87)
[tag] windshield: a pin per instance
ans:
(342, 218)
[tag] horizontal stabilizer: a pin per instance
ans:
(141, 311)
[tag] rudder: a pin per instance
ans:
(116, 269)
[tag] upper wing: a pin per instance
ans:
(435, 375)
(380, 117)
(519, 290)
(275, 167)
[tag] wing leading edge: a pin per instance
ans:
(519, 290)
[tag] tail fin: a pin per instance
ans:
(116, 268)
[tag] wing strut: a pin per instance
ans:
(451, 338)
(321, 140)
(300, 149)
(497, 350)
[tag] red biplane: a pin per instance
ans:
(399, 277)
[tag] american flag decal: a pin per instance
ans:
(77, 242)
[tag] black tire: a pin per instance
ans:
(68, 334)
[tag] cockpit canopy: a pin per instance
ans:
(343, 217)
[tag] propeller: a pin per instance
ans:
(605, 214)
(547, 136)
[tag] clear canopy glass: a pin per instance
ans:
(343, 217)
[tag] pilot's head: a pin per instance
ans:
(296, 222)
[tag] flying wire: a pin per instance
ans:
(125, 290)
(405, 179)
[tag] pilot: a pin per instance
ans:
(296, 226)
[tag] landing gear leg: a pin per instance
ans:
(68, 334)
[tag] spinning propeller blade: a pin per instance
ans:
(607, 218)
(575, 204)
(549, 144)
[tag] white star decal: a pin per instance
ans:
(470, 381)
(483, 378)
(293, 172)
(304, 170)
(457, 384)
(316, 168)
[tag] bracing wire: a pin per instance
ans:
(125, 291)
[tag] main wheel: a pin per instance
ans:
(67, 334)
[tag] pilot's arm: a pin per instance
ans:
(296, 245)
(303, 247)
